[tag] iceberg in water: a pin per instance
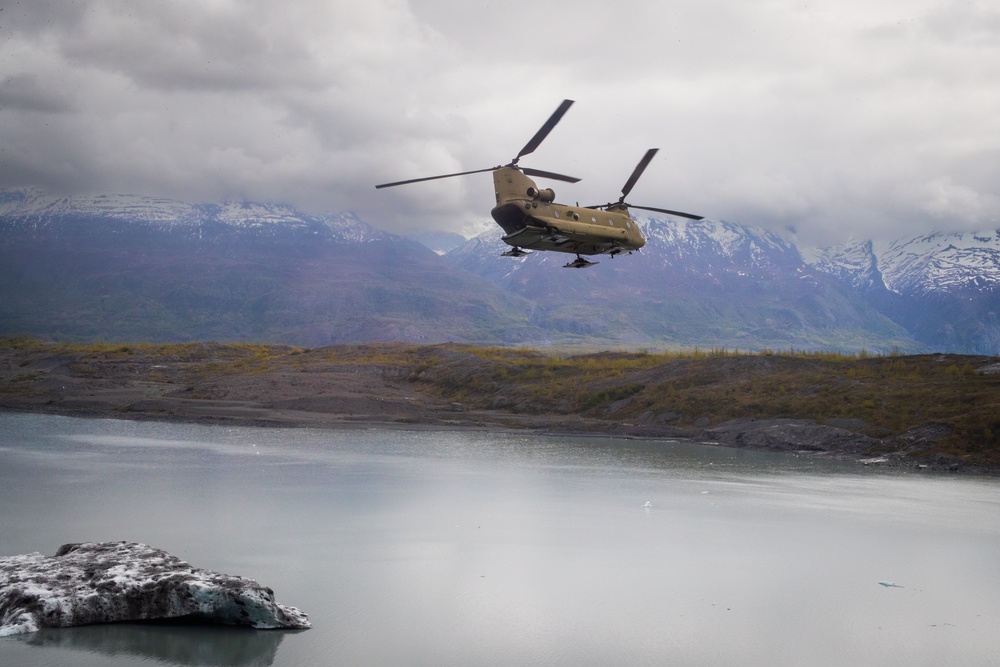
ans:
(125, 581)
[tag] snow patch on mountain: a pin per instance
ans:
(32, 203)
(934, 263)
(854, 262)
(33, 207)
(942, 262)
(350, 228)
(745, 247)
(257, 214)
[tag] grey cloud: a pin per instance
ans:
(187, 46)
(34, 17)
(24, 92)
(875, 118)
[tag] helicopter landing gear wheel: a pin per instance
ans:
(579, 263)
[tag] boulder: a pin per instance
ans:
(112, 582)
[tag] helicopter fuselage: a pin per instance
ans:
(531, 219)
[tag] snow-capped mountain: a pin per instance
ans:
(705, 283)
(29, 205)
(122, 267)
(712, 249)
(33, 209)
(853, 262)
(749, 248)
(139, 268)
(935, 263)
(701, 247)
(944, 288)
(942, 263)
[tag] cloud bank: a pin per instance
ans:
(876, 119)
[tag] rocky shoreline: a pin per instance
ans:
(799, 437)
(353, 395)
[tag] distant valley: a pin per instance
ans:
(125, 268)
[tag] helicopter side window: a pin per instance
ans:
(593, 218)
(557, 213)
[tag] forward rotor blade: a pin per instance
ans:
(433, 178)
(544, 132)
(669, 212)
(637, 172)
(528, 171)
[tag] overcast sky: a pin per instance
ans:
(877, 118)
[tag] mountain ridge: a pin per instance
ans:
(943, 287)
(709, 283)
(119, 266)
(162, 270)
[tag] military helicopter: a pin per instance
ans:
(532, 220)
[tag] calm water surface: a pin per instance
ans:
(410, 548)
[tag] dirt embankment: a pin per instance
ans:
(218, 383)
(833, 407)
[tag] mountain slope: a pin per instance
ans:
(134, 268)
(944, 288)
(138, 268)
(706, 283)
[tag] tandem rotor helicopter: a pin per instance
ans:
(532, 220)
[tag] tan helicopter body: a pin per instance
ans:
(532, 219)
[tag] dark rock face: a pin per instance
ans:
(125, 581)
(788, 435)
(833, 438)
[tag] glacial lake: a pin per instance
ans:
(472, 548)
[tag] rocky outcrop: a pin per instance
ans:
(789, 435)
(833, 439)
(126, 581)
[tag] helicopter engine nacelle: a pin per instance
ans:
(547, 195)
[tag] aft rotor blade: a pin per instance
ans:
(544, 132)
(637, 172)
(680, 214)
(548, 174)
(434, 178)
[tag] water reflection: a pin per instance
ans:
(192, 646)
(459, 548)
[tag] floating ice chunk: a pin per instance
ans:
(124, 581)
